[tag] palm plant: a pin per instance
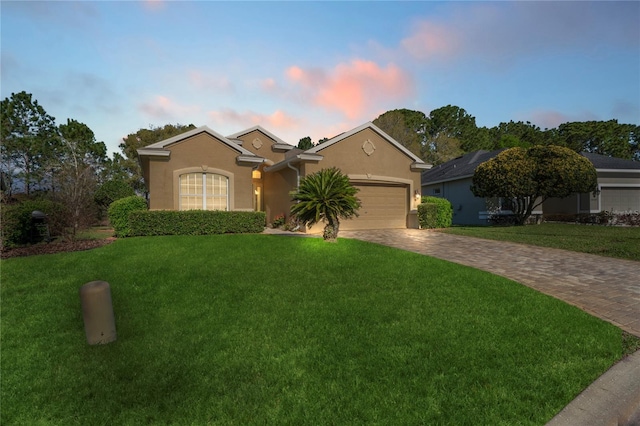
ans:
(326, 196)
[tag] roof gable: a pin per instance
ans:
(161, 148)
(278, 143)
(417, 161)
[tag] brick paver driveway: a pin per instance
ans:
(605, 287)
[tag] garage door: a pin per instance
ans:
(383, 207)
(620, 199)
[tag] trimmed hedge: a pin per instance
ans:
(427, 213)
(119, 212)
(443, 214)
(19, 228)
(195, 222)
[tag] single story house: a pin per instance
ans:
(255, 170)
(618, 189)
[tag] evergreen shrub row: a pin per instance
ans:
(195, 222)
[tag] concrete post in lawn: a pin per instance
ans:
(97, 312)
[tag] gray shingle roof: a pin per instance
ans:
(458, 168)
(611, 163)
(465, 166)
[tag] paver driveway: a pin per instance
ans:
(605, 287)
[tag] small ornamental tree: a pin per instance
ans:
(326, 196)
(530, 176)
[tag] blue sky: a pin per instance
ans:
(320, 68)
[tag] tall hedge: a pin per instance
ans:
(119, 212)
(443, 213)
(195, 222)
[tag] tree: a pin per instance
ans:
(405, 126)
(528, 177)
(326, 196)
(76, 176)
(601, 137)
(456, 123)
(512, 134)
(140, 139)
(305, 143)
(29, 138)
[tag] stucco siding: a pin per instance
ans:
(261, 145)
(277, 186)
(203, 153)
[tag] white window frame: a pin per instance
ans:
(203, 177)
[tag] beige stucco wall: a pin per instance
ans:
(203, 153)
(261, 145)
(385, 163)
(277, 186)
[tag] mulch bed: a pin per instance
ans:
(54, 247)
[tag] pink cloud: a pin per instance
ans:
(504, 31)
(354, 88)
(154, 5)
(277, 120)
(431, 39)
(549, 119)
(161, 107)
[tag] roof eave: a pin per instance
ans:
(249, 159)
(153, 152)
(418, 166)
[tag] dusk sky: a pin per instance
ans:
(320, 68)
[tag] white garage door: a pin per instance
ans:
(620, 199)
(383, 207)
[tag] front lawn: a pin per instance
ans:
(258, 329)
(612, 241)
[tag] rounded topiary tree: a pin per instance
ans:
(528, 177)
(326, 196)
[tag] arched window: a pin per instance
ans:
(204, 191)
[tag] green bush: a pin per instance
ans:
(19, 228)
(444, 214)
(195, 222)
(111, 191)
(119, 212)
(427, 215)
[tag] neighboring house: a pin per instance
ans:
(255, 170)
(618, 189)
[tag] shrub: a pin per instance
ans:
(427, 214)
(629, 218)
(195, 222)
(18, 226)
(444, 213)
(278, 221)
(119, 212)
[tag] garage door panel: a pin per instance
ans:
(620, 199)
(383, 207)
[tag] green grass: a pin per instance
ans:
(620, 242)
(256, 329)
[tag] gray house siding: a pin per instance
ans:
(466, 207)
